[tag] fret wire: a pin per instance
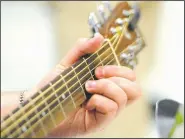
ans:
(83, 84)
(100, 59)
(41, 123)
(45, 101)
(88, 67)
(64, 76)
(22, 128)
(14, 126)
(79, 82)
(58, 101)
(27, 121)
(69, 92)
(79, 87)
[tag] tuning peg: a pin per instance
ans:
(132, 48)
(136, 15)
(120, 21)
(107, 5)
(127, 57)
(101, 12)
(132, 64)
(128, 12)
(93, 22)
(124, 56)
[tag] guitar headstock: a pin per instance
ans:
(122, 21)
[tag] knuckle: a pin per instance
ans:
(114, 107)
(132, 75)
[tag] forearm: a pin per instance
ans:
(11, 99)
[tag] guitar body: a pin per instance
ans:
(52, 104)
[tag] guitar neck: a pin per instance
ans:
(47, 108)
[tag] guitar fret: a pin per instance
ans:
(58, 99)
(78, 69)
(100, 59)
(52, 119)
(35, 113)
(86, 77)
(79, 83)
(69, 91)
(27, 121)
(10, 133)
(103, 49)
(61, 90)
(64, 95)
(67, 74)
(88, 67)
(79, 96)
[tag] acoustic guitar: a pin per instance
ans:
(53, 103)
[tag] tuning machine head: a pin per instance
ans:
(133, 63)
(107, 5)
(135, 16)
(93, 22)
(129, 60)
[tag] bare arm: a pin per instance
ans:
(11, 99)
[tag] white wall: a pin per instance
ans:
(167, 77)
(27, 44)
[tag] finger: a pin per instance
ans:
(82, 47)
(101, 104)
(118, 71)
(108, 89)
(131, 89)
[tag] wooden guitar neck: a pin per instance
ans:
(53, 103)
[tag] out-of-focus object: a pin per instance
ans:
(53, 103)
(170, 118)
(125, 17)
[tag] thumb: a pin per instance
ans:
(83, 46)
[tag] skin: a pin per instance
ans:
(115, 88)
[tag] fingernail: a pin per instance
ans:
(100, 72)
(90, 84)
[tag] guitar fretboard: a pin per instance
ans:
(47, 108)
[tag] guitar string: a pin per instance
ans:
(83, 83)
(113, 51)
(60, 88)
(77, 88)
(89, 78)
(64, 99)
(44, 92)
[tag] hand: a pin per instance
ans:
(114, 88)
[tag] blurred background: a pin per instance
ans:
(36, 35)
